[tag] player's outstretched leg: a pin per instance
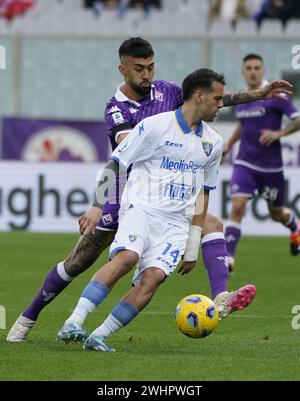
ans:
(214, 254)
(126, 310)
(216, 261)
(94, 294)
(86, 251)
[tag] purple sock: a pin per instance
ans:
(216, 262)
(232, 235)
(51, 287)
(292, 223)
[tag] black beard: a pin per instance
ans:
(142, 91)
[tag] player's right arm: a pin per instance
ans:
(235, 137)
(89, 220)
(117, 118)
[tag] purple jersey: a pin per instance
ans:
(254, 117)
(122, 115)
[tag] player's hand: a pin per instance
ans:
(277, 88)
(89, 220)
(268, 136)
(186, 267)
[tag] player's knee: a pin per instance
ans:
(238, 209)
(276, 214)
(81, 257)
(101, 239)
(151, 279)
(127, 259)
(212, 225)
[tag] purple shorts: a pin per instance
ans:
(249, 183)
(110, 217)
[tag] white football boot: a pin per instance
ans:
(20, 330)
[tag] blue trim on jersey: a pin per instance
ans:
(116, 159)
(183, 124)
(209, 188)
(114, 251)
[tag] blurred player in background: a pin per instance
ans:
(258, 167)
(138, 97)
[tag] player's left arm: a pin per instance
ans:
(268, 136)
(287, 108)
(278, 88)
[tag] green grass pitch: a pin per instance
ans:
(258, 343)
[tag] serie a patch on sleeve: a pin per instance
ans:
(118, 118)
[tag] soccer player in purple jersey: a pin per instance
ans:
(258, 167)
(137, 98)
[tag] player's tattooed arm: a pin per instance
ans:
(278, 88)
(89, 220)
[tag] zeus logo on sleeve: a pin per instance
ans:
(182, 165)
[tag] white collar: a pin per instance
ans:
(121, 97)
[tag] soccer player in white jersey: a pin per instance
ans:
(175, 158)
(138, 97)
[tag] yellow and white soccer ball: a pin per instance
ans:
(196, 316)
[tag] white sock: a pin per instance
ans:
(83, 308)
(62, 272)
(108, 327)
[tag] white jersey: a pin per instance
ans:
(170, 165)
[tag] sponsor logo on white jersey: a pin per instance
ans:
(179, 191)
(174, 144)
(181, 165)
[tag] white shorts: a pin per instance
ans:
(158, 243)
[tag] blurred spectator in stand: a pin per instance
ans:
(146, 6)
(99, 5)
(228, 10)
(282, 10)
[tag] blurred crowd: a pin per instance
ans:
(122, 6)
(258, 10)
(225, 10)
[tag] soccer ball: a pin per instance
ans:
(196, 316)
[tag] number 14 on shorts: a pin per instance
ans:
(169, 251)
